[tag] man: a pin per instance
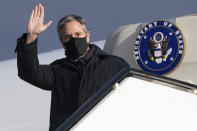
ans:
(72, 80)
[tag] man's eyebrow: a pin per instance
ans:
(67, 35)
(78, 32)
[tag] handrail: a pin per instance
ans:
(102, 92)
(164, 79)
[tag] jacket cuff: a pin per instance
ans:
(22, 46)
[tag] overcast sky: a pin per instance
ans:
(102, 16)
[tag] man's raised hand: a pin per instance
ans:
(35, 24)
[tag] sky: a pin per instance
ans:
(102, 16)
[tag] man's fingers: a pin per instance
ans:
(36, 20)
(31, 17)
(41, 11)
(35, 12)
(38, 11)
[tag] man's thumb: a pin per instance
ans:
(47, 25)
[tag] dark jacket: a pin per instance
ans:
(71, 82)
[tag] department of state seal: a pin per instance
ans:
(159, 47)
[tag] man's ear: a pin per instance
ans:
(61, 42)
(60, 37)
(88, 37)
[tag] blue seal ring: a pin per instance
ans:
(159, 47)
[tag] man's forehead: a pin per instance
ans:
(73, 27)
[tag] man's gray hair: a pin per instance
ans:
(71, 17)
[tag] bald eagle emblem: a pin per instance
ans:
(158, 45)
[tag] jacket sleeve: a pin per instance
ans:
(29, 69)
(116, 65)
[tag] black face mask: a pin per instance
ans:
(75, 47)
